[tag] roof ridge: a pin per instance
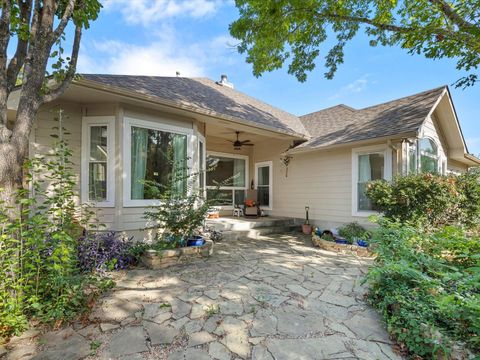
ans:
(329, 108)
(405, 97)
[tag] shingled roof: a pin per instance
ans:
(342, 124)
(206, 95)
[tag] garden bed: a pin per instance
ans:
(160, 259)
(340, 248)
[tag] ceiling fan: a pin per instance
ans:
(237, 144)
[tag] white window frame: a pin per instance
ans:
(202, 174)
(268, 164)
(87, 123)
(387, 173)
(127, 155)
(233, 188)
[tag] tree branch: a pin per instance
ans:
(4, 35)
(453, 16)
(64, 20)
(72, 68)
(16, 63)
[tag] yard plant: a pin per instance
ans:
(426, 277)
(42, 277)
(429, 200)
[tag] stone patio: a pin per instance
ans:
(273, 298)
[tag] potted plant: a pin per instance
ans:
(306, 227)
(354, 233)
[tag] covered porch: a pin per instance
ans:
(245, 161)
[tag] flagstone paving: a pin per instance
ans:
(272, 298)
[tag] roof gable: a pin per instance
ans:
(340, 124)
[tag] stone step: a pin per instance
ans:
(244, 224)
(257, 233)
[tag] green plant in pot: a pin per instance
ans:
(306, 227)
(354, 232)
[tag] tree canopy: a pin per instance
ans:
(273, 32)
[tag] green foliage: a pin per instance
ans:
(179, 214)
(274, 32)
(353, 231)
(38, 250)
(427, 287)
(429, 200)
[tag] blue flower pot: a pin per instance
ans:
(362, 243)
(341, 241)
(196, 240)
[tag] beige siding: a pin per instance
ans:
(456, 167)
(432, 130)
(320, 179)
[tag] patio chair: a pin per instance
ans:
(251, 204)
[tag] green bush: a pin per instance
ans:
(353, 231)
(427, 287)
(429, 200)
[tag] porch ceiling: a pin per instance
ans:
(227, 132)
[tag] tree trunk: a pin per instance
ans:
(11, 175)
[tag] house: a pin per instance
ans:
(120, 124)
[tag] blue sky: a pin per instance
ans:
(160, 37)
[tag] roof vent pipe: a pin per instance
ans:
(224, 81)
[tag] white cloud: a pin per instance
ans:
(354, 87)
(164, 56)
(148, 11)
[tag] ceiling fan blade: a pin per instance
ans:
(245, 141)
(248, 144)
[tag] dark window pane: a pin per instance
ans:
(98, 143)
(225, 171)
(221, 197)
(370, 167)
(239, 197)
(263, 194)
(429, 164)
(97, 182)
(428, 146)
(158, 163)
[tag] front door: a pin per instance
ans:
(263, 184)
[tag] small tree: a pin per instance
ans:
(182, 206)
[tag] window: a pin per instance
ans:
(230, 171)
(428, 156)
(98, 145)
(201, 163)
(428, 161)
(263, 182)
(155, 156)
(368, 164)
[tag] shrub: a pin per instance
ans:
(429, 200)
(180, 213)
(104, 251)
(38, 248)
(353, 231)
(427, 287)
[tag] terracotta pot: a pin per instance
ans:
(307, 229)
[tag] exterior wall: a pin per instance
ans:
(120, 218)
(320, 179)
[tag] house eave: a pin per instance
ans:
(399, 136)
(175, 105)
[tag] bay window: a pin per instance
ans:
(98, 173)
(423, 156)
(155, 156)
(230, 172)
